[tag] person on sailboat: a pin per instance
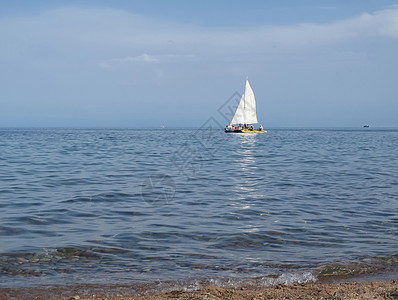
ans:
(261, 127)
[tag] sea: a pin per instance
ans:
(187, 207)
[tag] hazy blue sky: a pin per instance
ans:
(131, 63)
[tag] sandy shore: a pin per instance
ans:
(369, 290)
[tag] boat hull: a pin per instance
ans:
(244, 131)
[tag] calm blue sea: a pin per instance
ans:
(128, 205)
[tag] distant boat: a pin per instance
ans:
(366, 126)
(245, 115)
(162, 126)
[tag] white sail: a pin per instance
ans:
(246, 112)
(250, 105)
(239, 117)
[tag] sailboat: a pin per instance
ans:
(245, 115)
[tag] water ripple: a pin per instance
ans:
(75, 199)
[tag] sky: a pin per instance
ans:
(127, 63)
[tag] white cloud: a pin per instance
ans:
(115, 37)
(145, 59)
(114, 62)
(379, 24)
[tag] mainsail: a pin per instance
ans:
(246, 111)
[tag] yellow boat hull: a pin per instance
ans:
(244, 131)
(254, 131)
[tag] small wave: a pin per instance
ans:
(268, 281)
(106, 197)
(290, 279)
(33, 221)
(8, 231)
(129, 213)
(373, 265)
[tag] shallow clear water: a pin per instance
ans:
(123, 205)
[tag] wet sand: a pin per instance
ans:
(368, 290)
